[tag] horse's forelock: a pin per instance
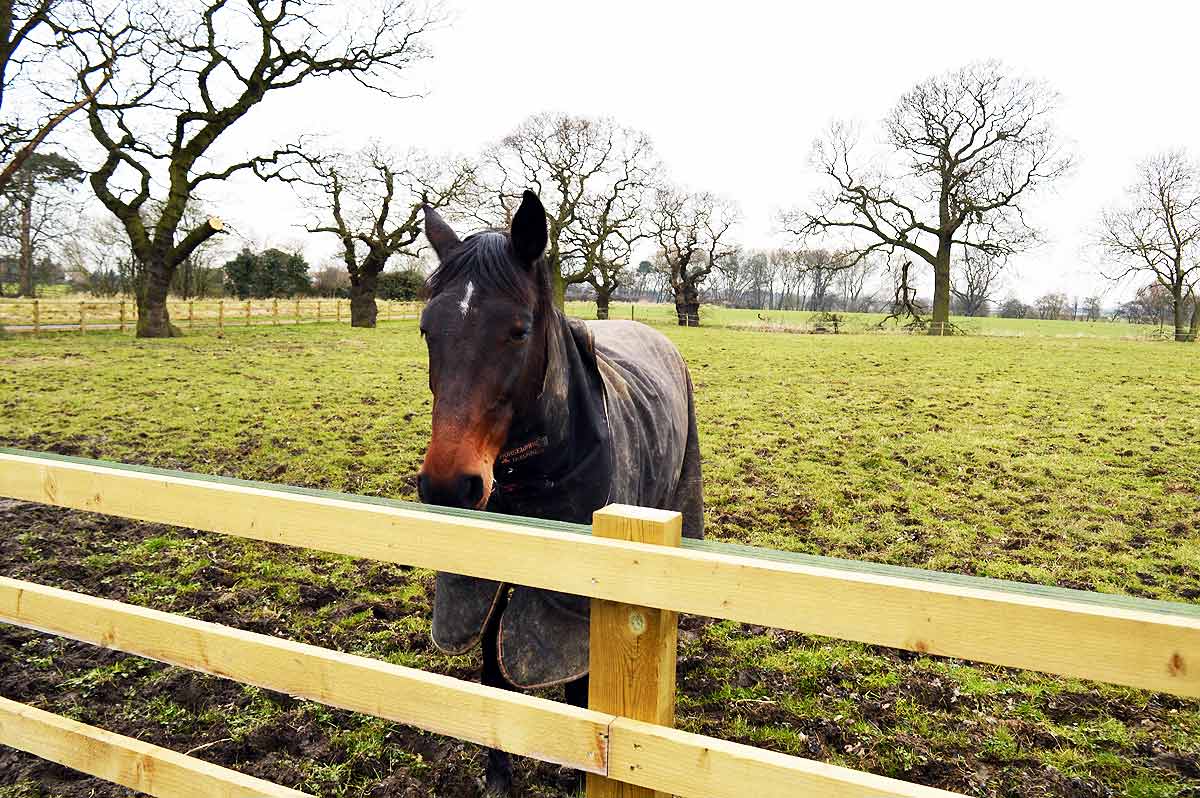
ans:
(487, 260)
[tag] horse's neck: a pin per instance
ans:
(555, 463)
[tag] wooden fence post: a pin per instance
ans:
(247, 312)
(275, 311)
(337, 304)
(221, 314)
(632, 648)
(37, 318)
(318, 310)
(297, 311)
(191, 314)
(122, 328)
(82, 328)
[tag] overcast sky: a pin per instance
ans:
(733, 94)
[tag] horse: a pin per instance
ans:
(540, 415)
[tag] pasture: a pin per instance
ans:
(1067, 461)
(803, 321)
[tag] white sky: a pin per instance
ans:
(734, 93)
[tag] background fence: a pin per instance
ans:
(57, 315)
(638, 572)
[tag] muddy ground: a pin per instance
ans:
(305, 746)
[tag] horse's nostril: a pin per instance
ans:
(471, 488)
(464, 490)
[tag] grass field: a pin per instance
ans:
(800, 320)
(1067, 461)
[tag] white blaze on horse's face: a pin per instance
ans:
(465, 305)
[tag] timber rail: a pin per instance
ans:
(638, 572)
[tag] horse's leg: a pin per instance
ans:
(577, 696)
(499, 774)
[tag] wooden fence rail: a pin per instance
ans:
(591, 741)
(49, 315)
(1142, 643)
(124, 760)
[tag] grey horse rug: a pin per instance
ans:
(615, 423)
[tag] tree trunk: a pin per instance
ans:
(940, 322)
(25, 270)
(1194, 329)
(1181, 316)
(154, 320)
(363, 310)
(559, 285)
(602, 301)
(687, 306)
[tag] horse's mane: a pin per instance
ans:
(486, 259)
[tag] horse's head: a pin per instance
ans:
(485, 326)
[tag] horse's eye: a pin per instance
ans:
(519, 333)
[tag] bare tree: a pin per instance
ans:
(820, 267)
(1051, 305)
(789, 265)
(609, 218)
(1013, 308)
(1094, 307)
(41, 67)
(40, 209)
(852, 284)
(978, 279)
(965, 150)
(758, 282)
(371, 201)
(1151, 304)
(728, 277)
(203, 68)
(99, 251)
(1156, 232)
(573, 163)
(692, 232)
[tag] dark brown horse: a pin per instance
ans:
(538, 415)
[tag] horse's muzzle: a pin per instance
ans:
(464, 490)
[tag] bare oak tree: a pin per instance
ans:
(978, 280)
(609, 218)
(371, 201)
(570, 162)
(964, 152)
(1156, 233)
(41, 67)
(203, 67)
(693, 234)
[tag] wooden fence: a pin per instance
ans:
(56, 315)
(638, 572)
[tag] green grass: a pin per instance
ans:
(1067, 461)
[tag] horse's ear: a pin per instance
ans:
(443, 239)
(529, 228)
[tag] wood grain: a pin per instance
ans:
(123, 760)
(1155, 650)
(514, 722)
(632, 647)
